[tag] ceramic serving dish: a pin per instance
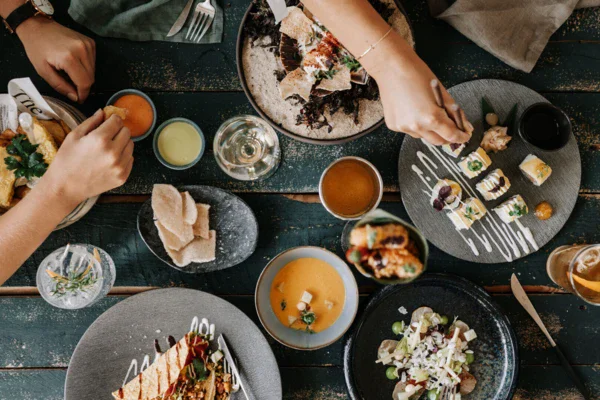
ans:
(162, 159)
(124, 92)
(301, 340)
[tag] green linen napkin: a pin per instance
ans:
(141, 20)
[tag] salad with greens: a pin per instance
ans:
(430, 355)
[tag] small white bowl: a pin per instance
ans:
(293, 338)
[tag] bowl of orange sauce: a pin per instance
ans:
(141, 112)
(306, 298)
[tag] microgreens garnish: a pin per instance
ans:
(518, 211)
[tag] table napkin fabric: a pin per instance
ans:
(515, 31)
(141, 20)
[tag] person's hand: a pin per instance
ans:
(409, 105)
(54, 49)
(95, 157)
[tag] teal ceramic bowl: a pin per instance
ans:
(296, 339)
(161, 158)
(122, 93)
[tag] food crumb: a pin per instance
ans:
(532, 338)
(402, 310)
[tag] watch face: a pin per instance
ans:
(44, 6)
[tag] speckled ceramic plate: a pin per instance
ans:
(127, 331)
(496, 351)
(230, 216)
(561, 189)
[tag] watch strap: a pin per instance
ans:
(19, 15)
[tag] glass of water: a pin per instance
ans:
(75, 276)
(247, 148)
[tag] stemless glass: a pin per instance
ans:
(584, 274)
(247, 148)
(75, 286)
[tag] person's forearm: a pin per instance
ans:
(8, 6)
(357, 25)
(28, 224)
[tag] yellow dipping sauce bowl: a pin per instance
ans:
(179, 143)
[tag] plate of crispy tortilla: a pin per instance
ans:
(99, 367)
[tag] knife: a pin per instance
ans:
(181, 19)
(522, 298)
(229, 358)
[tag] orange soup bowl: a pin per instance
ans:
(141, 112)
(302, 281)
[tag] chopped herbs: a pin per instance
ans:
(470, 213)
(73, 282)
(197, 371)
(543, 171)
(25, 161)
(518, 211)
(308, 317)
(474, 165)
(351, 63)
(326, 74)
(409, 268)
(283, 305)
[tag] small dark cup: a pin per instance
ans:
(545, 126)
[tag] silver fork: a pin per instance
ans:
(448, 392)
(204, 15)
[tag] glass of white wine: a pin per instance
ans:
(247, 148)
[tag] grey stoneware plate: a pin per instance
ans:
(496, 362)
(560, 190)
(127, 331)
(240, 68)
(230, 216)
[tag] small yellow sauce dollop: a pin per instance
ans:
(179, 143)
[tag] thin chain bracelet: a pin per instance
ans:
(375, 44)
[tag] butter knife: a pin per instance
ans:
(229, 358)
(522, 298)
(181, 19)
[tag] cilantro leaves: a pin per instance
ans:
(25, 160)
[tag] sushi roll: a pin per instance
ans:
(475, 163)
(512, 209)
(471, 210)
(453, 149)
(494, 185)
(535, 169)
(446, 194)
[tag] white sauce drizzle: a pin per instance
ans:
(528, 235)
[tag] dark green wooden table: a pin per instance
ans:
(201, 83)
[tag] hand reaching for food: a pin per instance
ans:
(54, 49)
(95, 157)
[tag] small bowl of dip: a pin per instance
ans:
(545, 126)
(179, 143)
(141, 112)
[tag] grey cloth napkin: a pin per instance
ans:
(141, 20)
(515, 31)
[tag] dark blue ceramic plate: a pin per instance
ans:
(496, 351)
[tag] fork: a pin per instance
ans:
(204, 15)
(448, 392)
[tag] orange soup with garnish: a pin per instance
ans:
(308, 294)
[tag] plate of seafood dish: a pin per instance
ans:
(302, 80)
(197, 229)
(440, 337)
(173, 344)
(499, 197)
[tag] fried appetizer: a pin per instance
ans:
(392, 263)
(7, 181)
(512, 209)
(56, 130)
(120, 112)
(494, 185)
(470, 211)
(391, 236)
(446, 194)
(475, 163)
(47, 144)
(535, 169)
(495, 139)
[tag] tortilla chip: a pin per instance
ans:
(199, 250)
(120, 112)
(297, 25)
(190, 213)
(341, 80)
(201, 226)
(172, 241)
(168, 209)
(55, 129)
(47, 144)
(297, 82)
(7, 181)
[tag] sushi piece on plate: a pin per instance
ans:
(512, 209)
(454, 149)
(446, 194)
(494, 185)
(471, 210)
(535, 169)
(475, 163)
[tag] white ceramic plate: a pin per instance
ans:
(301, 340)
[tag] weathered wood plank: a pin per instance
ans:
(283, 223)
(535, 383)
(161, 66)
(23, 320)
(303, 163)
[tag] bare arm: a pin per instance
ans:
(94, 158)
(403, 78)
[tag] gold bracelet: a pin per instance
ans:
(375, 44)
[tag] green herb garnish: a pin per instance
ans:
(197, 371)
(326, 74)
(470, 213)
(371, 237)
(283, 305)
(409, 268)
(518, 211)
(73, 282)
(474, 165)
(308, 317)
(351, 63)
(543, 170)
(25, 160)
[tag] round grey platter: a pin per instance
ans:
(127, 331)
(560, 190)
(496, 351)
(231, 218)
